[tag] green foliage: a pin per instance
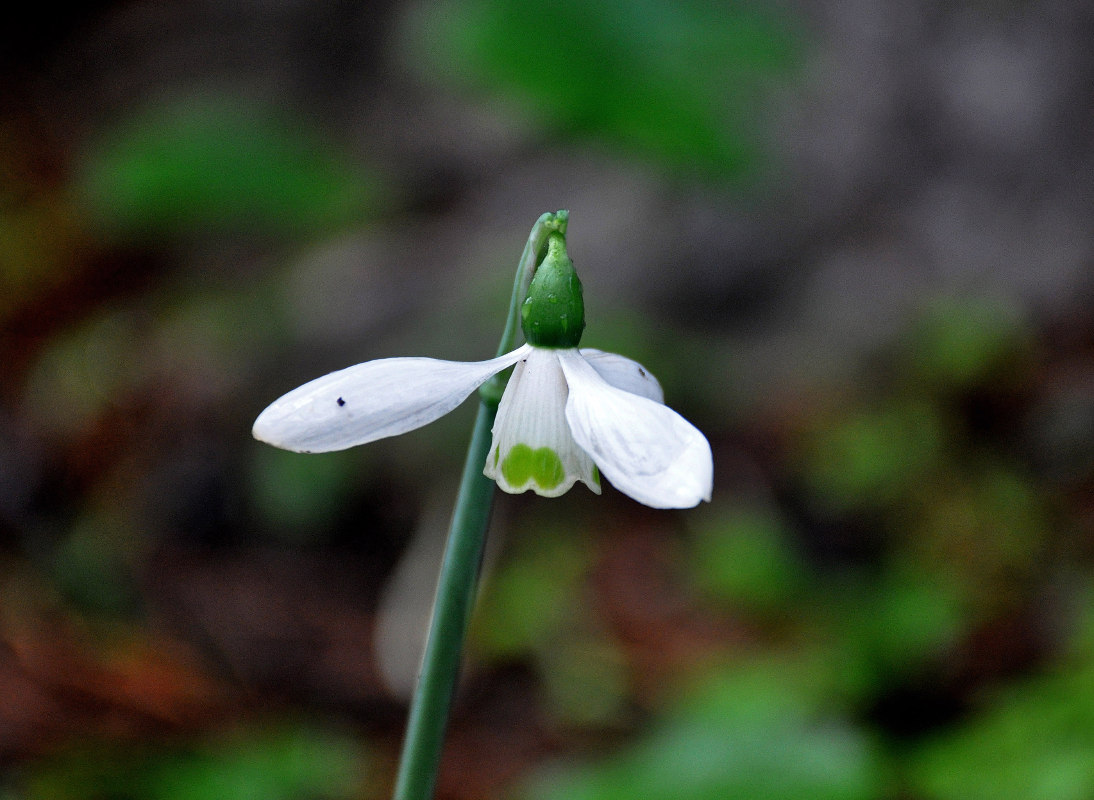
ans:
(533, 607)
(91, 564)
(198, 343)
(585, 678)
(873, 456)
(914, 618)
(300, 497)
(960, 343)
(1035, 741)
(872, 635)
(743, 556)
(276, 763)
(758, 732)
(85, 370)
(989, 525)
(532, 596)
(222, 165)
(678, 83)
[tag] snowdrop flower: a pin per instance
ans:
(564, 413)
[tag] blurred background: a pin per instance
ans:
(853, 240)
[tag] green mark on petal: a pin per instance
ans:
(523, 464)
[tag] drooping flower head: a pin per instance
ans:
(564, 413)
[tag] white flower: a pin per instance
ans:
(565, 413)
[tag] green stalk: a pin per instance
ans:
(451, 612)
(458, 580)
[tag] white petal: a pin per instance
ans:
(645, 449)
(532, 446)
(371, 401)
(623, 373)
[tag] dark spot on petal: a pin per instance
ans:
(341, 402)
(642, 372)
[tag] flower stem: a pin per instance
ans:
(451, 612)
(456, 588)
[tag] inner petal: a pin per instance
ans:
(533, 447)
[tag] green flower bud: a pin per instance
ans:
(553, 313)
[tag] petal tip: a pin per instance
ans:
(261, 428)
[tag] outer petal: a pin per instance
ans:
(646, 450)
(373, 400)
(625, 374)
(533, 447)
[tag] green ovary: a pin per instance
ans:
(523, 464)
